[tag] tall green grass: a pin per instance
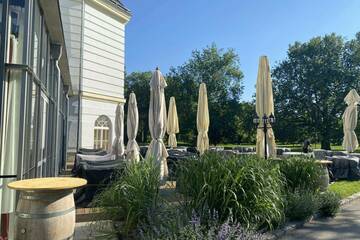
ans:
(300, 173)
(248, 187)
(302, 181)
(132, 195)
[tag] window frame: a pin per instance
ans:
(100, 131)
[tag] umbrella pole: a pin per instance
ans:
(265, 132)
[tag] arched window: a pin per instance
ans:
(102, 133)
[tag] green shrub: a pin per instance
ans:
(132, 195)
(329, 203)
(301, 205)
(248, 186)
(300, 173)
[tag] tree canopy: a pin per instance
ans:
(310, 85)
(220, 70)
(309, 89)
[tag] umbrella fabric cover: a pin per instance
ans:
(350, 116)
(202, 120)
(172, 125)
(157, 122)
(132, 148)
(264, 105)
(118, 146)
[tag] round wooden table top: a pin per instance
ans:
(51, 183)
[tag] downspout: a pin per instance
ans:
(81, 75)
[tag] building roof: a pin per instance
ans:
(120, 5)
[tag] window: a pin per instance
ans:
(43, 136)
(11, 138)
(16, 32)
(44, 55)
(102, 133)
(30, 164)
(36, 39)
(1, 25)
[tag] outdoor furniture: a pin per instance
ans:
(245, 149)
(280, 151)
(98, 174)
(320, 154)
(296, 154)
(355, 155)
(216, 149)
(46, 209)
(94, 158)
(345, 167)
(174, 157)
(88, 151)
(338, 153)
(192, 150)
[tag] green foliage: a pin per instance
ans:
(300, 205)
(247, 186)
(231, 120)
(310, 85)
(220, 70)
(132, 195)
(139, 83)
(300, 173)
(329, 203)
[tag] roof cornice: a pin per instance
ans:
(123, 13)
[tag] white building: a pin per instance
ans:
(95, 36)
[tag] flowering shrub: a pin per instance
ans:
(194, 229)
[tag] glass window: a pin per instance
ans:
(11, 138)
(102, 132)
(1, 25)
(30, 164)
(51, 154)
(48, 67)
(60, 142)
(16, 32)
(44, 45)
(35, 61)
(43, 136)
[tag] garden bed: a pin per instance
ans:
(243, 194)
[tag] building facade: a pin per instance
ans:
(95, 38)
(34, 89)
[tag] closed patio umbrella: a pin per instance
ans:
(264, 106)
(118, 147)
(202, 120)
(132, 148)
(157, 122)
(350, 116)
(172, 126)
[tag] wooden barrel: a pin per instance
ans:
(45, 215)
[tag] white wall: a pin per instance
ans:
(91, 110)
(103, 64)
(100, 35)
(71, 13)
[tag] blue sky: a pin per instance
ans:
(164, 32)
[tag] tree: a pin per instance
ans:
(220, 70)
(138, 82)
(310, 85)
